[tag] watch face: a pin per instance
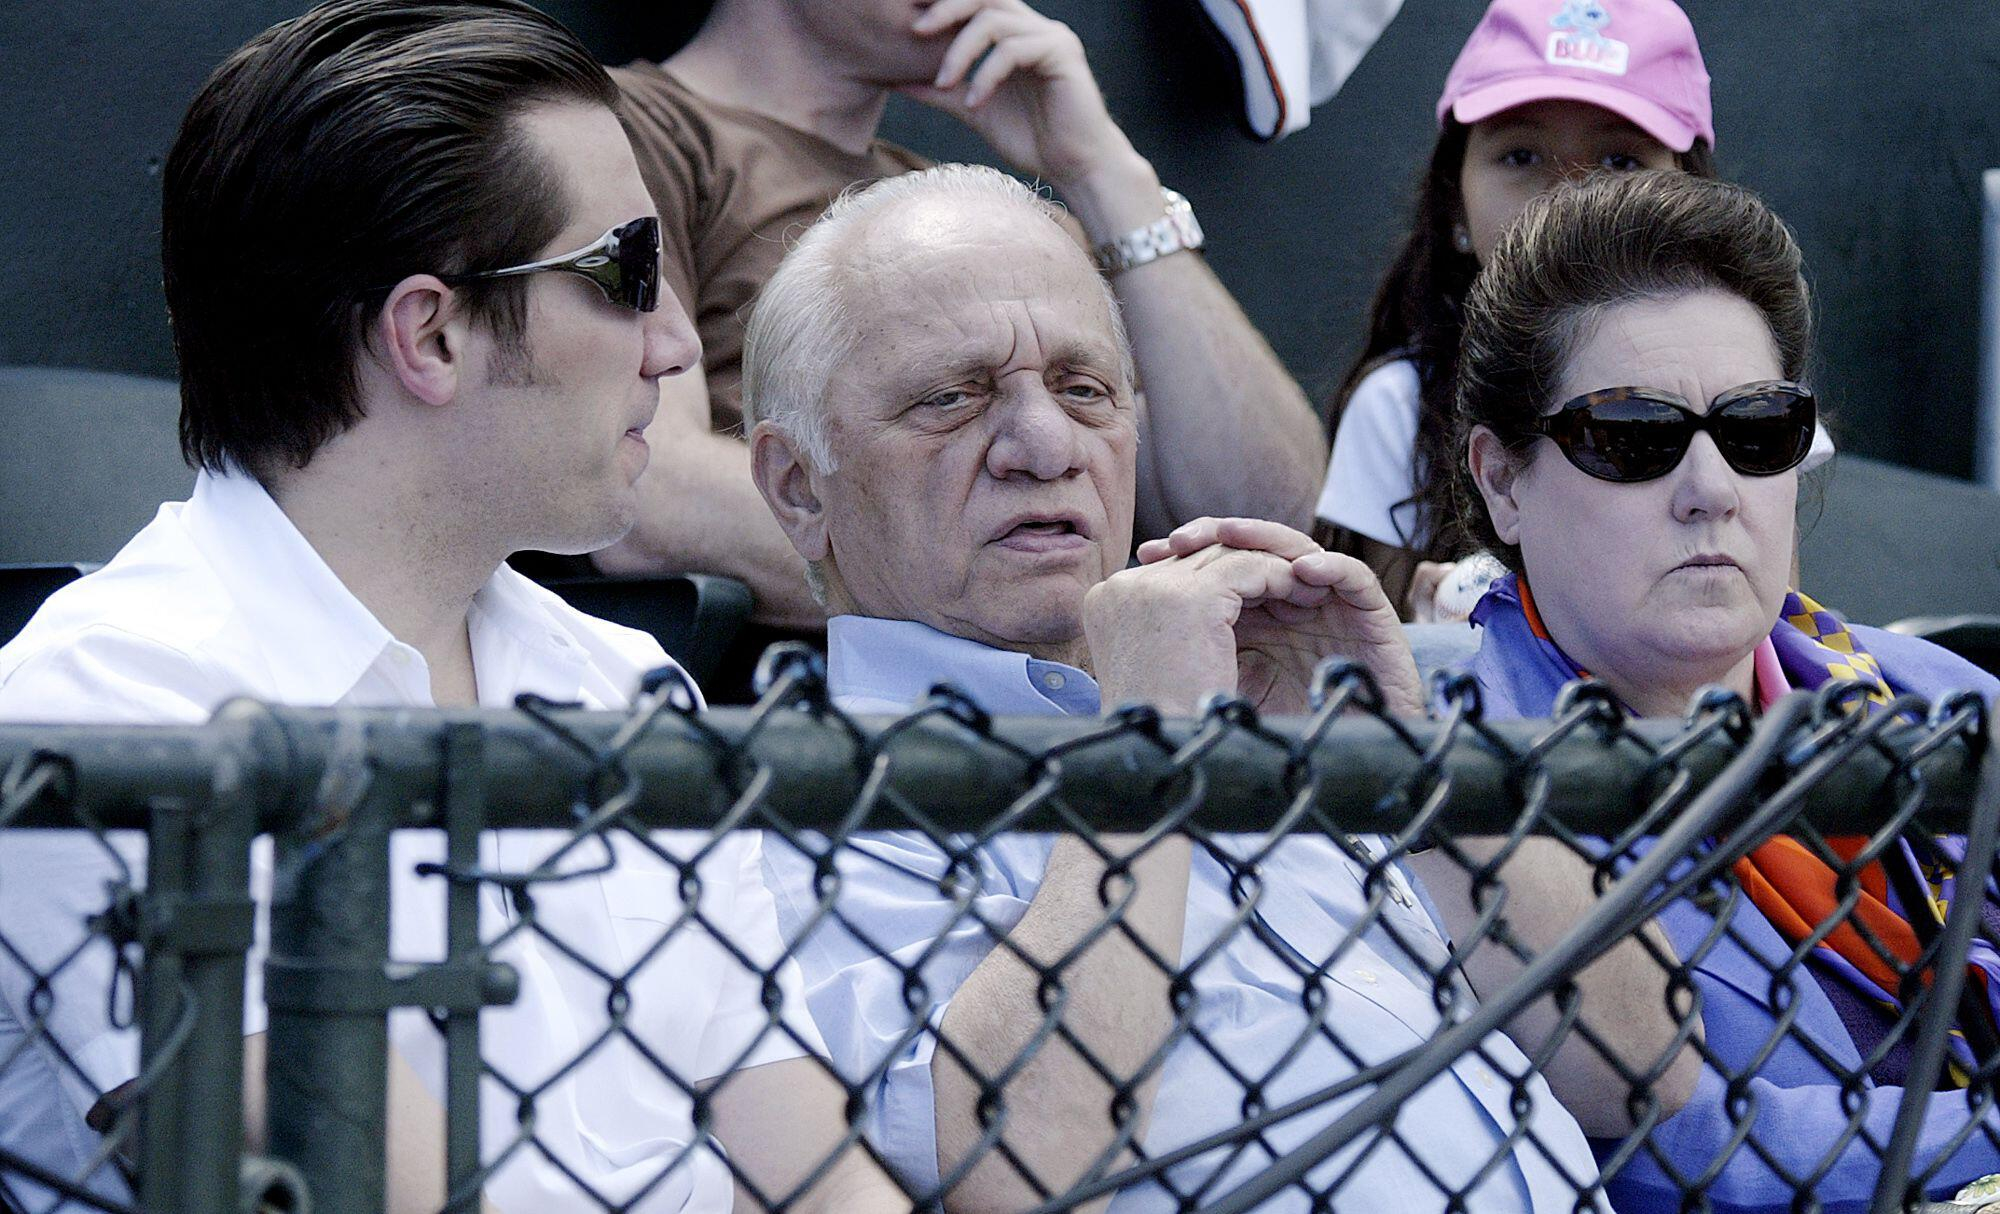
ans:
(1171, 233)
(1180, 217)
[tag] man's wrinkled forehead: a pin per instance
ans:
(939, 272)
(945, 220)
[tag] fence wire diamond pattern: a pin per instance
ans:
(1221, 964)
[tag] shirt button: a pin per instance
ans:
(1053, 680)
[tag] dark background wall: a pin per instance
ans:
(1866, 124)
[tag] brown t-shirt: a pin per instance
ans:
(732, 186)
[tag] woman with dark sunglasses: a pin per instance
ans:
(1542, 91)
(1632, 418)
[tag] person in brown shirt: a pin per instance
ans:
(738, 182)
(748, 132)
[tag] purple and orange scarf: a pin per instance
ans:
(1521, 669)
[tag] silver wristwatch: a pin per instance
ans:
(1173, 232)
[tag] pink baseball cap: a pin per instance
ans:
(1637, 58)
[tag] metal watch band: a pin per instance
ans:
(1174, 232)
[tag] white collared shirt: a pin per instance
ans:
(221, 596)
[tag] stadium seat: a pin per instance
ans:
(23, 587)
(1887, 543)
(694, 616)
(1976, 638)
(88, 457)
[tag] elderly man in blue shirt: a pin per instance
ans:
(944, 414)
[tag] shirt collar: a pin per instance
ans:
(900, 661)
(284, 594)
(322, 641)
(517, 645)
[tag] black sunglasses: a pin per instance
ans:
(624, 263)
(1638, 434)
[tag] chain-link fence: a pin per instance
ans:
(549, 959)
(122, 971)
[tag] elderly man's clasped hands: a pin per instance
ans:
(1257, 605)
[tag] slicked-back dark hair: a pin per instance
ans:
(1596, 244)
(336, 154)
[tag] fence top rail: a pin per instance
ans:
(961, 770)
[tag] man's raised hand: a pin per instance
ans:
(1335, 607)
(1165, 634)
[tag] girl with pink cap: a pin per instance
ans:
(1543, 90)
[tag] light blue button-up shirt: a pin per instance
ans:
(1252, 1024)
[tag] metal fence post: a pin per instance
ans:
(1987, 458)
(329, 983)
(195, 919)
(464, 747)
(325, 986)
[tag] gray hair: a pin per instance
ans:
(801, 329)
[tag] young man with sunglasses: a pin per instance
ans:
(414, 283)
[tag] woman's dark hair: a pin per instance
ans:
(332, 156)
(1416, 315)
(1592, 245)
